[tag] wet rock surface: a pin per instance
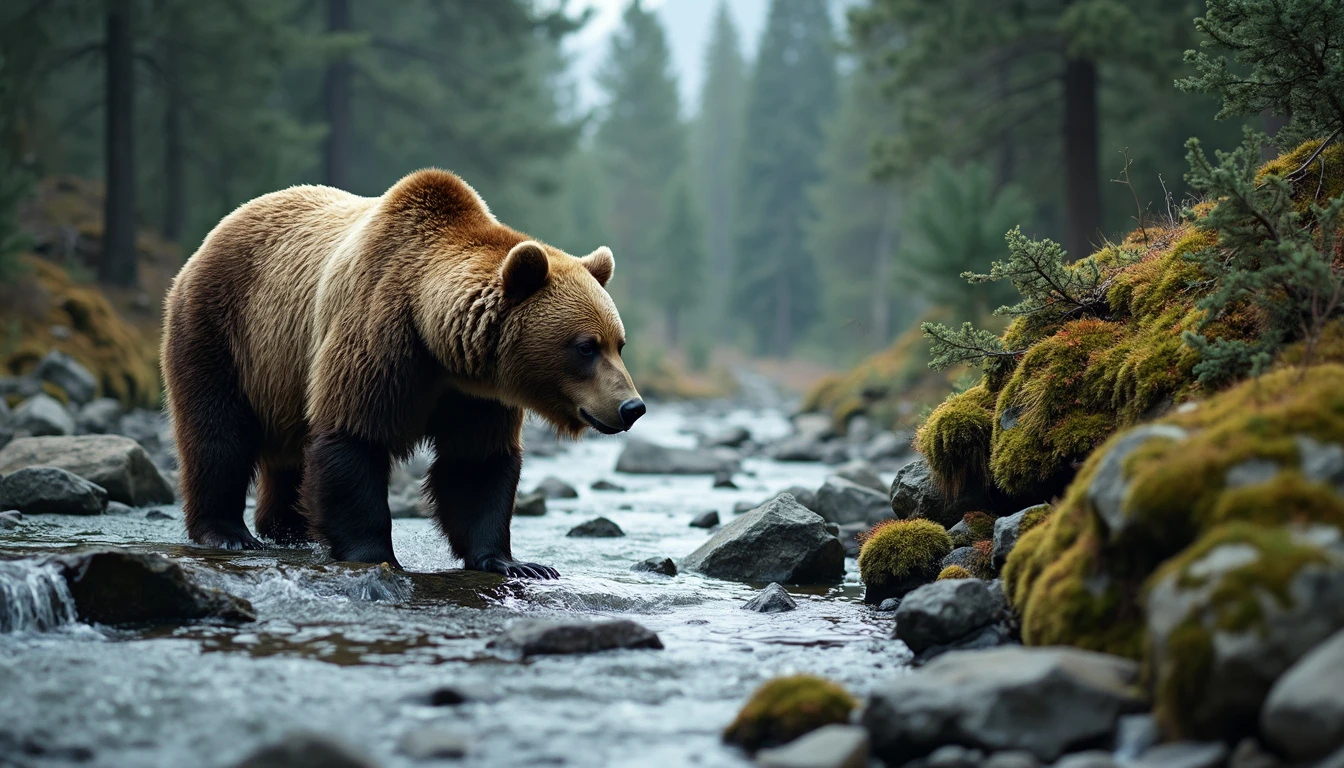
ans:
(660, 565)
(642, 457)
(308, 750)
(118, 464)
(545, 638)
(51, 491)
(773, 599)
(597, 528)
(119, 587)
(779, 541)
(943, 612)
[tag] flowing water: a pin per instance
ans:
(355, 652)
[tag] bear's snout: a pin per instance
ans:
(631, 410)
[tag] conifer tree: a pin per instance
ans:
(679, 266)
(791, 93)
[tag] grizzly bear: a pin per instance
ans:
(316, 336)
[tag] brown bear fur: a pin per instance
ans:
(317, 335)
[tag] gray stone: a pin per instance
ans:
(597, 528)
(539, 638)
(144, 427)
(740, 507)
(1249, 754)
(1006, 531)
(862, 473)
(99, 417)
(954, 756)
(813, 426)
(662, 565)
(158, 514)
(118, 464)
(1184, 754)
(1245, 662)
(308, 750)
(991, 636)
(1109, 487)
(1321, 462)
(830, 746)
(65, 372)
(406, 505)
(1250, 472)
(889, 605)
(434, 742)
(1011, 759)
(730, 437)
(10, 519)
(961, 534)
(844, 501)
(1303, 717)
(530, 505)
(642, 457)
(834, 453)
(51, 491)
(1335, 760)
(779, 541)
(798, 448)
(41, 415)
(1134, 735)
(859, 430)
(805, 496)
(554, 488)
(886, 445)
(118, 587)
(724, 479)
(943, 612)
(915, 494)
(964, 557)
(1093, 758)
(117, 508)
(772, 599)
(707, 519)
(1042, 700)
(606, 485)
(997, 596)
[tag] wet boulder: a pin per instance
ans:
(65, 372)
(914, 493)
(843, 501)
(1046, 701)
(51, 491)
(308, 750)
(779, 541)
(119, 587)
(707, 519)
(1183, 754)
(660, 565)
(943, 613)
(597, 528)
(41, 415)
(773, 599)
(118, 464)
(541, 638)
(641, 457)
(1303, 717)
(554, 488)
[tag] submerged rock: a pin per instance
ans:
(554, 488)
(844, 501)
(597, 528)
(606, 485)
(119, 587)
(51, 491)
(642, 457)
(663, 565)
(538, 637)
(830, 746)
(1046, 701)
(778, 541)
(943, 612)
(308, 750)
(772, 599)
(119, 464)
(42, 414)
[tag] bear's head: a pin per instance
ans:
(561, 338)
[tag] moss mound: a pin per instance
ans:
(892, 387)
(956, 437)
(954, 572)
(1256, 454)
(981, 525)
(786, 708)
(899, 555)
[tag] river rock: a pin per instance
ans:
(862, 473)
(943, 612)
(539, 637)
(886, 446)
(964, 557)
(813, 426)
(805, 496)
(1184, 754)
(707, 519)
(724, 479)
(118, 464)
(915, 494)
(606, 485)
(1013, 758)
(1136, 734)
(119, 587)
(730, 437)
(66, 373)
(798, 448)
(1042, 700)
(308, 750)
(145, 427)
(554, 488)
(843, 501)
(98, 417)
(641, 457)
(530, 505)
(779, 541)
(434, 742)
(772, 599)
(1303, 717)
(1006, 531)
(51, 491)
(42, 414)
(663, 565)
(830, 746)
(1092, 758)
(597, 528)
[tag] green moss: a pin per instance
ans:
(981, 525)
(786, 708)
(1074, 603)
(954, 572)
(955, 440)
(899, 555)
(1183, 682)
(1034, 517)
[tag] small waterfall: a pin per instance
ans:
(33, 597)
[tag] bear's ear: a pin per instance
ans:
(600, 264)
(524, 270)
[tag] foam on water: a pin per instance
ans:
(34, 597)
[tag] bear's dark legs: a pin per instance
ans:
(345, 497)
(279, 516)
(473, 504)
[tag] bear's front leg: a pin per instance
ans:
(345, 496)
(473, 503)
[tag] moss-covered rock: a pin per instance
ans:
(980, 524)
(956, 438)
(899, 555)
(786, 708)
(954, 572)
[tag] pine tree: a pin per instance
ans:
(792, 91)
(678, 273)
(641, 142)
(716, 140)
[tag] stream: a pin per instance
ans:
(355, 652)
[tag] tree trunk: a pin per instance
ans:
(1081, 183)
(336, 99)
(1271, 124)
(117, 266)
(882, 258)
(174, 168)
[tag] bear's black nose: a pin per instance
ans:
(630, 410)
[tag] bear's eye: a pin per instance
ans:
(587, 348)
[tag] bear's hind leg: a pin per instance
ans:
(345, 497)
(279, 516)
